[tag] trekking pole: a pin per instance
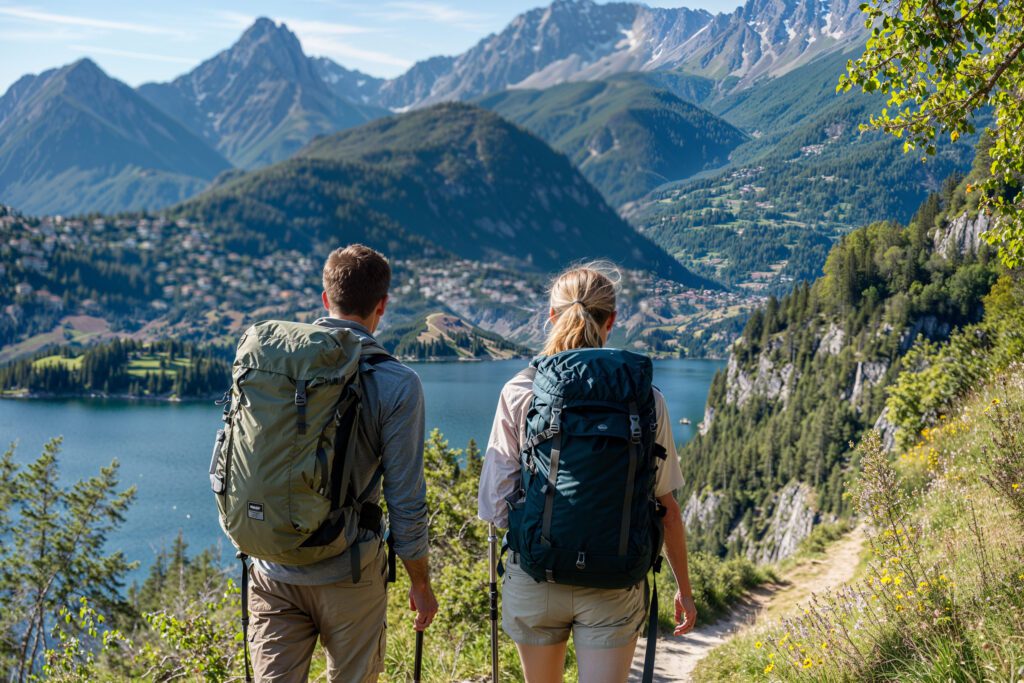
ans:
(492, 538)
(418, 664)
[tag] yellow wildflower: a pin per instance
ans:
(808, 663)
(759, 645)
(768, 669)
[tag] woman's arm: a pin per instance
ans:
(675, 551)
(500, 474)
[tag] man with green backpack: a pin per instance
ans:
(320, 423)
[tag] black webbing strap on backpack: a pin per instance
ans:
(549, 487)
(245, 614)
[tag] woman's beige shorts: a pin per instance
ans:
(541, 613)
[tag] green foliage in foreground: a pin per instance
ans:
(941, 62)
(52, 540)
(182, 622)
(942, 598)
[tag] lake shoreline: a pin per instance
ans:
(16, 394)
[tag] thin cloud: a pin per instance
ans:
(51, 18)
(334, 49)
(114, 52)
(434, 12)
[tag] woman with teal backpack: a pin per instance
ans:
(582, 470)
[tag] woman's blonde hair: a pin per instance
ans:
(583, 299)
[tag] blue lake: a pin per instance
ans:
(164, 448)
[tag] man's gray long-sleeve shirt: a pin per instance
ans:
(391, 430)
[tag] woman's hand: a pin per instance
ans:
(686, 614)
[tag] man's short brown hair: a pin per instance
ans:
(356, 278)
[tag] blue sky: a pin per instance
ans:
(147, 41)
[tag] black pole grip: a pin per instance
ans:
(418, 664)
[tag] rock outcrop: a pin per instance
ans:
(794, 516)
(962, 235)
(771, 379)
(868, 374)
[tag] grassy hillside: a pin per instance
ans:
(624, 134)
(942, 596)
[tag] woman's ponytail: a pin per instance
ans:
(583, 299)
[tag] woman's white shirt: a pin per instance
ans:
(500, 473)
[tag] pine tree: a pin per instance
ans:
(54, 552)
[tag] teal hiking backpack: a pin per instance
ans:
(281, 466)
(585, 513)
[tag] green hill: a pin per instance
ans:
(450, 178)
(810, 373)
(626, 135)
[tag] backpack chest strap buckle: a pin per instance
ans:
(556, 417)
(634, 428)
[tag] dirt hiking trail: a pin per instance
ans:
(678, 657)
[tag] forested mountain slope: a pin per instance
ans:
(810, 372)
(451, 178)
(625, 135)
(807, 175)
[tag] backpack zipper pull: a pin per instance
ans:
(581, 561)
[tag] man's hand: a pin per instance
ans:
(686, 614)
(421, 596)
(423, 602)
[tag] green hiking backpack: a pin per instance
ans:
(585, 513)
(281, 466)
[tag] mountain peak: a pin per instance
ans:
(267, 37)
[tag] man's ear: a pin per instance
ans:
(381, 306)
(327, 302)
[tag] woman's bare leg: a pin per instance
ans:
(605, 665)
(543, 663)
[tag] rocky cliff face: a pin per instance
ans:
(786, 520)
(858, 366)
(962, 235)
(794, 515)
(771, 379)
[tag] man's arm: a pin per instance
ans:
(405, 490)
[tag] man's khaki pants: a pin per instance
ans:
(349, 618)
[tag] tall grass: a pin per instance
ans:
(942, 597)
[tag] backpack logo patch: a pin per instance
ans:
(602, 428)
(255, 511)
